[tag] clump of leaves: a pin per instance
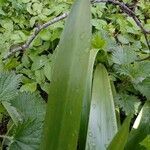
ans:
(27, 112)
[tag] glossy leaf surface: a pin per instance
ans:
(68, 81)
(102, 121)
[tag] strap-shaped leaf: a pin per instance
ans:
(141, 129)
(68, 82)
(102, 121)
(120, 139)
(87, 102)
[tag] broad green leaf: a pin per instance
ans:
(27, 133)
(26, 136)
(102, 122)
(38, 62)
(141, 129)
(47, 71)
(11, 64)
(146, 142)
(29, 87)
(9, 83)
(30, 106)
(68, 84)
(45, 35)
(128, 103)
(87, 102)
(122, 39)
(137, 71)
(39, 76)
(120, 139)
(144, 87)
(12, 111)
(124, 55)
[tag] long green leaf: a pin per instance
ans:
(87, 102)
(141, 129)
(68, 82)
(119, 141)
(102, 121)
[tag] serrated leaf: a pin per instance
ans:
(69, 76)
(30, 106)
(9, 83)
(123, 55)
(12, 111)
(140, 130)
(27, 133)
(26, 136)
(137, 71)
(97, 41)
(120, 139)
(144, 87)
(102, 120)
(128, 103)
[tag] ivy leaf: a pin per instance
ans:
(123, 55)
(9, 83)
(128, 103)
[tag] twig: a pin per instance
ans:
(127, 11)
(63, 16)
(34, 34)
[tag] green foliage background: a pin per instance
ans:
(121, 43)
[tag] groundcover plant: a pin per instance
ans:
(74, 75)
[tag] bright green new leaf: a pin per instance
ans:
(68, 82)
(102, 121)
(141, 129)
(29, 87)
(119, 141)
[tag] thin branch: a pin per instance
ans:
(124, 8)
(34, 34)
